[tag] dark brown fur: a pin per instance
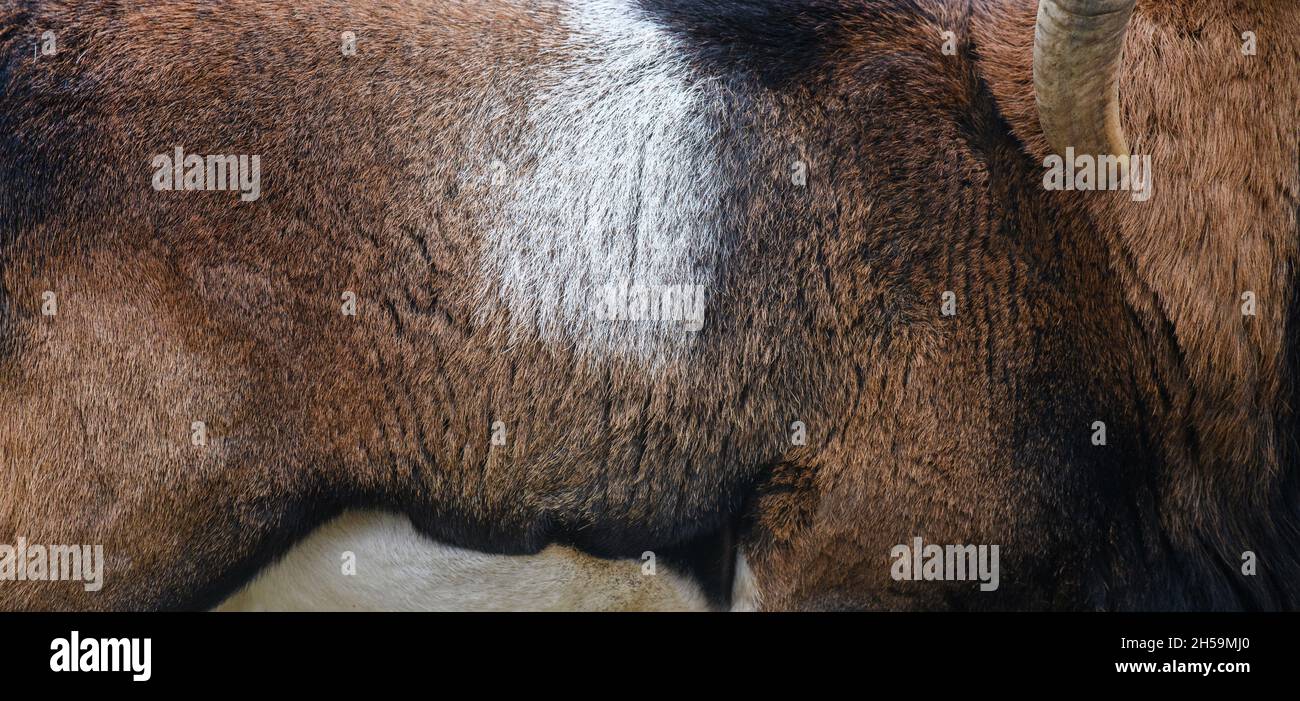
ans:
(181, 307)
(1144, 333)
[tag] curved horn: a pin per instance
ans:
(1077, 50)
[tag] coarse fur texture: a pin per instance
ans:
(629, 116)
(477, 166)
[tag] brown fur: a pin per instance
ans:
(181, 307)
(1205, 392)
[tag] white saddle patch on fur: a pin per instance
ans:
(396, 568)
(614, 185)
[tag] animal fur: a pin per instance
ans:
(477, 166)
(395, 568)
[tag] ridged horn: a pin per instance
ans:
(1078, 45)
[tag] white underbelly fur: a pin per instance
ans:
(396, 568)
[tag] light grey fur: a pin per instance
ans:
(614, 186)
(396, 568)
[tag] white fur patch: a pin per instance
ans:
(396, 568)
(614, 186)
(744, 591)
